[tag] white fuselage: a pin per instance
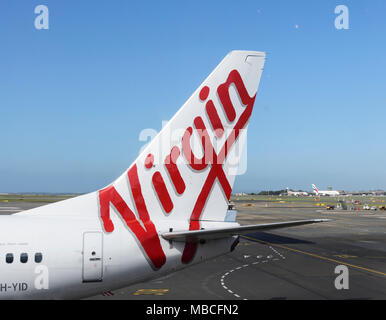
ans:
(296, 194)
(79, 259)
(331, 193)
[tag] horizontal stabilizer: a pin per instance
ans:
(210, 234)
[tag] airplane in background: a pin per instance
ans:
(167, 211)
(296, 193)
(332, 193)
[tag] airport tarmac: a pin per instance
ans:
(292, 263)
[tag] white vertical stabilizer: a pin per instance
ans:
(187, 171)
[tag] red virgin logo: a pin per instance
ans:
(144, 230)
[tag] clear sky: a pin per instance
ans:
(74, 98)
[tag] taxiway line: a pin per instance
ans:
(315, 255)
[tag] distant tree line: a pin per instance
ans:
(271, 193)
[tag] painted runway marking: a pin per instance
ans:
(157, 292)
(269, 257)
(277, 252)
(11, 209)
(344, 256)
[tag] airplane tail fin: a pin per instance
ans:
(315, 189)
(188, 170)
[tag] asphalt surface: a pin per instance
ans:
(292, 263)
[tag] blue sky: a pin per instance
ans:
(74, 98)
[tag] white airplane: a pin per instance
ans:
(167, 211)
(296, 193)
(332, 193)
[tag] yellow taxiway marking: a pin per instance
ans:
(345, 256)
(316, 256)
(157, 292)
